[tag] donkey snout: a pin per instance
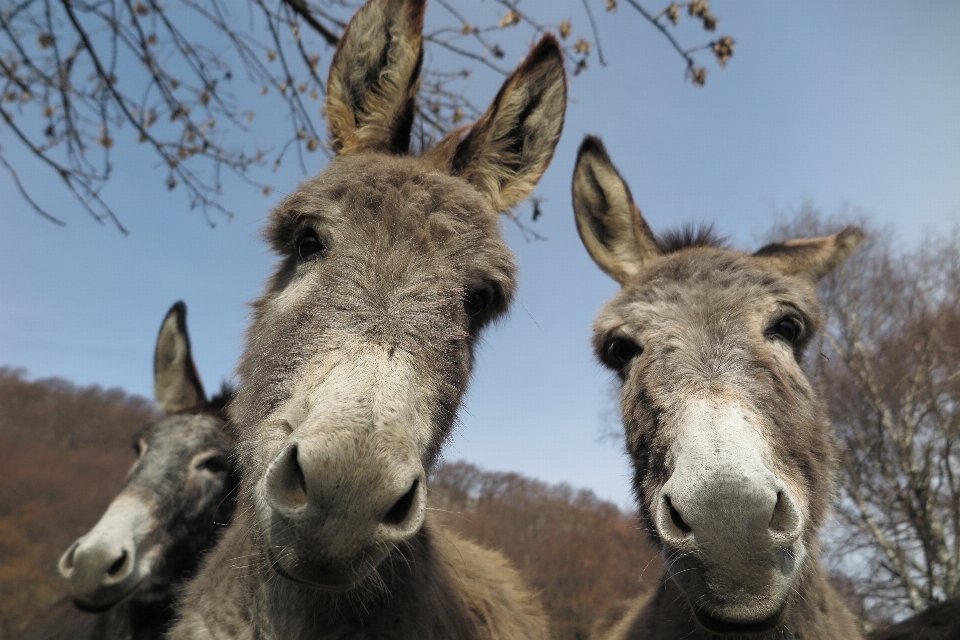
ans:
(732, 541)
(742, 512)
(336, 499)
(94, 572)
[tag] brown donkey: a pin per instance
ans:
(733, 455)
(359, 353)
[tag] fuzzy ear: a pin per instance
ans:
(372, 86)
(812, 258)
(176, 385)
(610, 224)
(508, 149)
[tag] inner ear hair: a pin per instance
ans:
(176, 383)
(608, 220)
(812, 258)
(506, 152)
(374, 78)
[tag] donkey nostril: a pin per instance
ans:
(401, 509)
(66, 562)
(785, 519)
(298, 473)
(676, 518)
(286, 484)
(117, 565)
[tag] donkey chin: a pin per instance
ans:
(318, 561)
(746, 591)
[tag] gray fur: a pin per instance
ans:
(358, 356)
(732, 451)
(171, 509)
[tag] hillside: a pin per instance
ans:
(64, 451)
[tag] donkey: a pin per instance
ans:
(732, 451)
(359, 353)
(174, 503)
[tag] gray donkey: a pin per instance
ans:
(732, 451)
(172, 508)
(358, 356)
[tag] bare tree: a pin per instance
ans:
(73, 73)
(889, 366)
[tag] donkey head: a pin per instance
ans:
(733, 454)
(175, 500)
(360, 350)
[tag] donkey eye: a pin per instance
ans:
(788, 329)
(618, 352)
(215, 464)
(309, 245)
(477, 301)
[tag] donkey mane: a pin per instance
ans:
(217, 405)
(691, 236)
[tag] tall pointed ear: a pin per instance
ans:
(610, 224)
(176, 384)
(508, 149)
(372, 86)
(812, 258)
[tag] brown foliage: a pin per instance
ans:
(581, 553)
(55, 411)
(64, 451)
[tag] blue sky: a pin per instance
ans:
(836, 103)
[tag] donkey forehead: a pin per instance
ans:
(395, 203)
(706, 289)
(186, 433)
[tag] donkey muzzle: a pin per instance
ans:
(336, 511)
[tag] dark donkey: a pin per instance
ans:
(732, 451)
(358, 356)
(172, 508)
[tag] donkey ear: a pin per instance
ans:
(176, 385)
(812, 258)
(372, 86)
(508, 149)
(610, 224)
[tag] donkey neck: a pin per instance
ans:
(134, 620)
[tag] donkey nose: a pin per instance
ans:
(304, 483)
(89, 569)
(728, 507)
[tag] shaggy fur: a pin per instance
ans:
(358, 356)
(702, 326)
(184, 479)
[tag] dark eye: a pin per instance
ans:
(477, 301)
(618, 352)
(788, 329)
(216, 464)
(140, 447)
(308, 244)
